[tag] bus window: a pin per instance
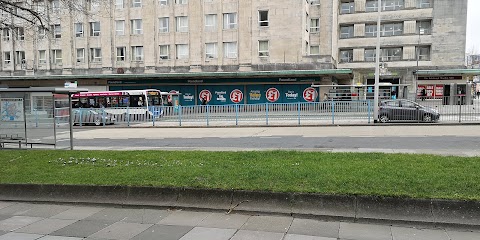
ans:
(124, 102)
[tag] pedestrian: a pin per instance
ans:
(424, 94)
(204, 101)
(325, 97)
(394, 95)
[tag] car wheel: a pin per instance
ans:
(427, 118)
(97, 122)
(384, 119)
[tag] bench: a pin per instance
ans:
(14, 138)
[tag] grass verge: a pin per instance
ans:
(378, 174)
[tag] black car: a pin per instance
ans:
(406, 110)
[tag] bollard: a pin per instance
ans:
(153, 116)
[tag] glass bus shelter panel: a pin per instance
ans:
(12, 116)
(61, 121)
(39, 113)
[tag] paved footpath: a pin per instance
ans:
(29, 221)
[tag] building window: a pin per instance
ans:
(7, 58)
(211, 22)
(42, 32)
(182, 51)
(136, 26)
(424, 27)
(6, 34)
(346, 32)
(424, 3)
(391, 29)
(315, 2)
(119, 4)
(94, 5)
(346, 56)
(80, 55)
(95, 29)
(20, 32)
(230, 49)
(163, 2)
(210, 50)
(181, 1)
(263, 47)
(182, 24)
(78, 29)
(387, 5)
(229, 20)
(163, 23)
(263, 18)
(95, 54)
(391, 54)
(121, 54)
(370, 55)
(55, 5)
(164, 52)
(347, 7)
(423, 53)
(315, 50)
(57, 31)
(20, 57)
(137, 53)
(56, 56)
(42, 56)
(370, 30)
(314, 25)
(120, 27)
(136, 3)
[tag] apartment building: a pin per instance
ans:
(182, 38)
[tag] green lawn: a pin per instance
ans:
(417, 176)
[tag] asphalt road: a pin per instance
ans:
(446, 140)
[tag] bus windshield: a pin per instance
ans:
(154, 98)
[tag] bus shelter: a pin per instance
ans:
(360, 92)
(37, 117)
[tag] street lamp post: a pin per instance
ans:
(377, 66)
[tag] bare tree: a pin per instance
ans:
(38, 13)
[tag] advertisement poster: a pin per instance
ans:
(11, 110)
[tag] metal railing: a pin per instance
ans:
(456, 110)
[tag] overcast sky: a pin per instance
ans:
(473, 28)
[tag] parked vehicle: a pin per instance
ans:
(92, 116)
(406, 110)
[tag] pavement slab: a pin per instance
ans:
(145, 216)
(59, 238)
(257, 235)
(3, 217)
(78, 213)
(45, 226)
(82, 228)
(201, 233)
(268, 224)
(3, 232)
(45, 210)
(304, 237)
(111, 214)
(16, 209)
(20, 236)
(314, 228)
(5, 204)
(364, 231)
(163, 232)
(184, 218)
(401, 233)
(454, 235)
(121, 231)
(17, 222)
(222, 220)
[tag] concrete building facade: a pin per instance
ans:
(195, 36)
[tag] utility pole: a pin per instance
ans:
(377, 66)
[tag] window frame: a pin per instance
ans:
(262, 52)
(82, 58)
(135, 29)
(93, 31)
(347, 7)
(136, 3)
(227, 53)
(178, 27)
(77, 32)
(118, 57)
(261, 21)
(183, 56)
(162, 56)
(55, 56)
(137, 57)
(119, 32)
(227, 24)
(349, 34)
(211, 28)
(314, 29)
(345, 59)
(57, 31)
(211, 55)
(95, 55)
(161, 27)
(40, 59)
(7, 61)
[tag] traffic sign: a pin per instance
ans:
(310, 94)
(236, 96)
(272, 94)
